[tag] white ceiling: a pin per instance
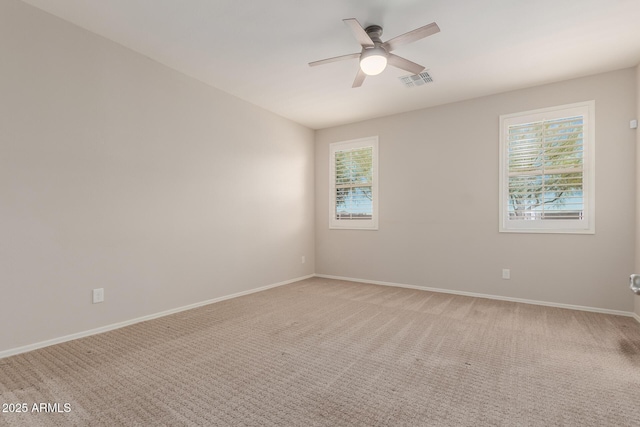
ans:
(259, 50)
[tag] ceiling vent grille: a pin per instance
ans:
(416, 79)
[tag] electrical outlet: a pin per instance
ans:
(506, 273)
(98, 295)
(303, 259)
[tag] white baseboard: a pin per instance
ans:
(35, 346)
(495, 297)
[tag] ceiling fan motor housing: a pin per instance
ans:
(375, 32)
(373, 60)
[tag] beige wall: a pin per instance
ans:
(439, 203)
(120, 173)
(637, 131)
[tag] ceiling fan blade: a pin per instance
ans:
(359, 78)
(334, 59)
(404, 64)
(411, 36)
(359, 32)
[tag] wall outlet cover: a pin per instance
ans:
(98, 295)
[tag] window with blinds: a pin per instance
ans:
(547, 170)
(353, 186)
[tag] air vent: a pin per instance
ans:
(416, 79)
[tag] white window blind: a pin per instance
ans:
(353, 174)
(547, 170)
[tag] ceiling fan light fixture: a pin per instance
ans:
(375, 53)
(373, 61)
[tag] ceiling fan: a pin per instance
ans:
(375, 54)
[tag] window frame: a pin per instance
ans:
(360, 224)
(586, 225)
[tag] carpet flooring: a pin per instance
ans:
(323, 352)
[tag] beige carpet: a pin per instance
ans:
(329, 353)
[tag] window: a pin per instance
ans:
(353, 175)
(547, 170)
